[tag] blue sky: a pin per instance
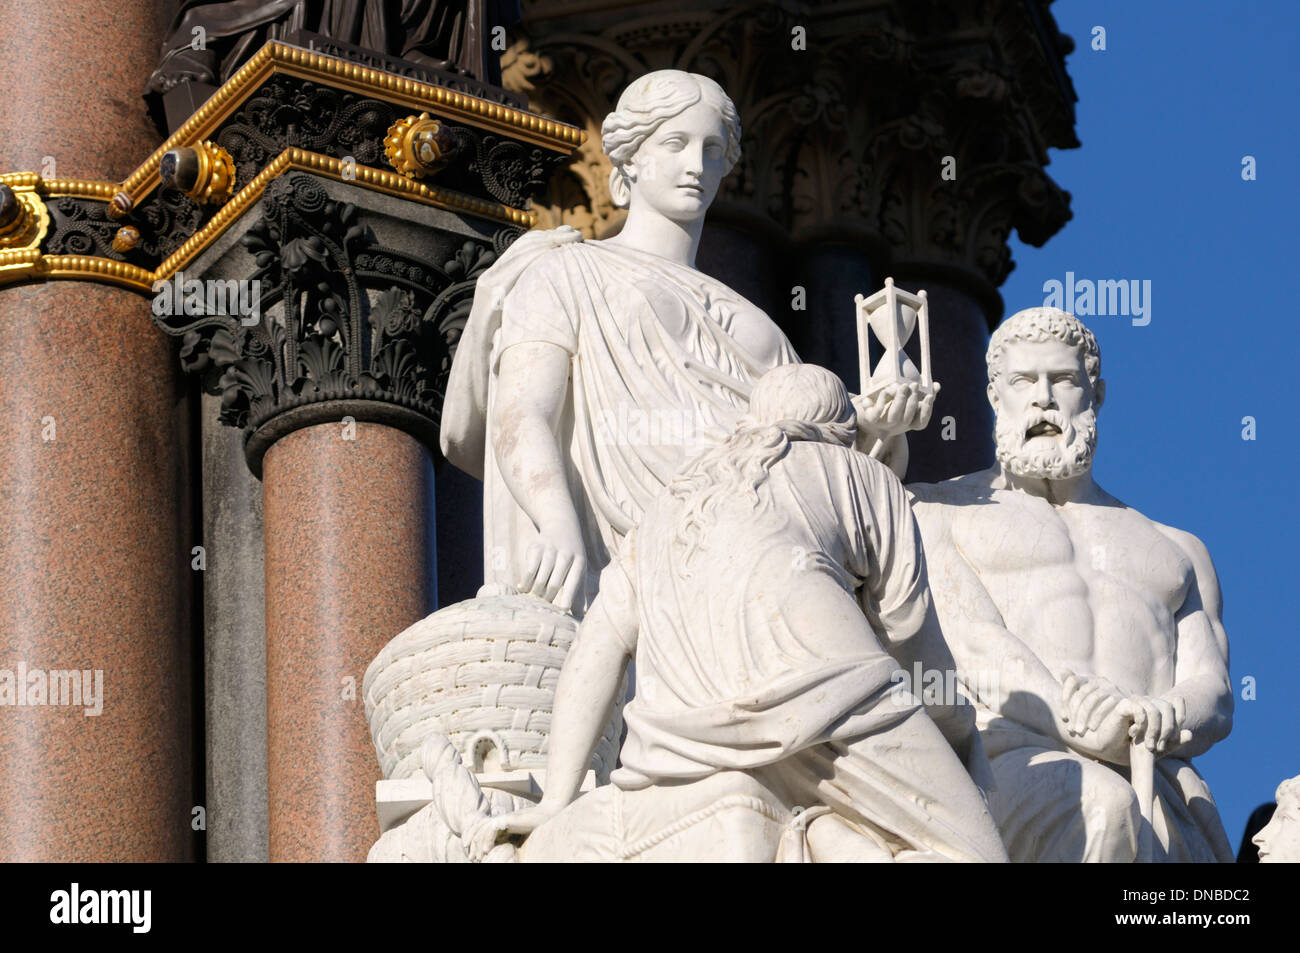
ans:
(1166, 113)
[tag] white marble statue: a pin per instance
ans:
(1093, 632)
(772, 595)
(590, 370)
(1279, 840)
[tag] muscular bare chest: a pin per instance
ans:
(1092, 587)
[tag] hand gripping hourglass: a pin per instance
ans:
(891, 315)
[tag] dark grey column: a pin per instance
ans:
(960, 436)
(832, 272)
(234, 656)
(748, 254)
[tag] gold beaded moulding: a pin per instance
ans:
(22, 260)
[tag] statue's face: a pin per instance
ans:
(1279, 840)
(1046, 411)
(678, 168)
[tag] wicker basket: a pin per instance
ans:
(483, 673)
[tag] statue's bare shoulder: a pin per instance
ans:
(1207, 580)
(936, 504)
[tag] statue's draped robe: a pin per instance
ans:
(762, 650)
(656, 375)
(1074, 827)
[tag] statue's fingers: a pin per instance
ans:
(1072, 706)
(1168, 724)
(476, 847)
(1083, 687)
(574, 585)
(532, 563)
(927, 410)
(1103, 706)
(492, 834)
(1082, 706)
(544, 572)
(880, 404)
(913, 408)
(898, 410)
(1099, 713)
(1180, 711)
(1069, 684)
(481, 839)
(1139, 726)
(1090, 704)
(558, 575)
(1154, 723)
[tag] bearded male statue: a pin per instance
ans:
(1093, 632)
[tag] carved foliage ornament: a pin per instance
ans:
(343, 318)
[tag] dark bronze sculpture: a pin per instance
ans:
(209, 41)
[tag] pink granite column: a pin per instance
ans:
(94, 502)
(348, 565)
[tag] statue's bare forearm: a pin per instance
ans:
(1007, 674)
(533, 469)
(1201, 677)
(584, 700)
(1209, 712)
(893, 451)
(1011, 679)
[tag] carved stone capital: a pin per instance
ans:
(344, 323)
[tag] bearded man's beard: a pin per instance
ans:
(1058, 461)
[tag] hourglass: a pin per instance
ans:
(892, 315)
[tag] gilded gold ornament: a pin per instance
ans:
(119, 205)
(205, 173)
(23, 217)
(418, 146)
(127, 237)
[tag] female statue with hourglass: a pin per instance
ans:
(589, 371)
